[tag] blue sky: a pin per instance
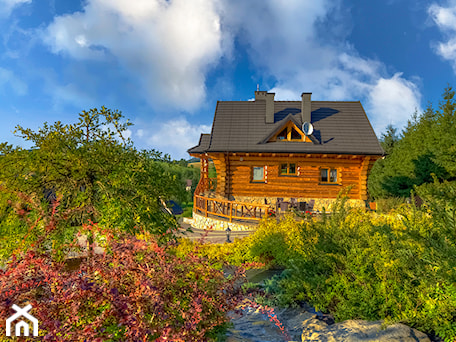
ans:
(165, 64)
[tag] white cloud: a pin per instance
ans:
(303, 46)
(174, 137)
(169, 46)
(445, 18)
(7, 6)
(8, 80)
(390, 102)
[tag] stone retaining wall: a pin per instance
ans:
(201, 222)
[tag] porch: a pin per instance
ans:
(230, 210)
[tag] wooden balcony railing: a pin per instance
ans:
(212, 184)
(206, 184)
(229, 209)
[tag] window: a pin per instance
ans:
(295, 135)
(289, 133)
(288, 169)
(328, 175)
(258, 174)
(283, 135)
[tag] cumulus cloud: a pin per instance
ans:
(167, 45)
(445, 18)
(7, 6)
(170, 46)
(174, 136)
(303, 46)
(391, 100)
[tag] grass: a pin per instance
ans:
(187, 207)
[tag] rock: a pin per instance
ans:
(359, 331)
(253, 326)
(250, 325)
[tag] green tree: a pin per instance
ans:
(95, 170)
(426, 147)
(389, 139)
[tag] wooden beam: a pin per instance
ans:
(339, 156)
(363, 178)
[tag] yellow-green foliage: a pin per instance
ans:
(236, 253)
(278, 242)
(274, 244)
(399, 266)
(384, 205)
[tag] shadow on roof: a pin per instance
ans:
(283, 113)
(322, 113)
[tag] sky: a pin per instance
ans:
(165, 64)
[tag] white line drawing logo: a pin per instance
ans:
(21, 324)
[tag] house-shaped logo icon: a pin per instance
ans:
(22, 312)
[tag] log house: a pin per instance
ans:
(261, 152)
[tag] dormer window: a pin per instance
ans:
(289, 133)
(283, 135)
(295, 135)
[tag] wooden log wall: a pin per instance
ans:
(219, 160)
(234, 175)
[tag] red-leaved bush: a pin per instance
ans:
(137, 291)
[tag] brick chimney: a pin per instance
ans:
(306, 107)
(261, 95)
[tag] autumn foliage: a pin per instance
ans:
(137, 291)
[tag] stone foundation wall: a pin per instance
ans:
(201, 222)
(319, 204)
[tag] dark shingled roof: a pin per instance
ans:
(339, 127)
(203, 144)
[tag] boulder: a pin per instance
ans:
(359, 331)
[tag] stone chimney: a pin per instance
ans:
(306, 107)
(261, 95)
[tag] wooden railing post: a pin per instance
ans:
(206, 200)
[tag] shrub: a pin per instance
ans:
(276, 242)
(385, 205)
(363, 265)
(236, 253)
(138, 291)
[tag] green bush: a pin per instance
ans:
(385, 205)
(362, 265)
(236, 253)
(356, 264)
